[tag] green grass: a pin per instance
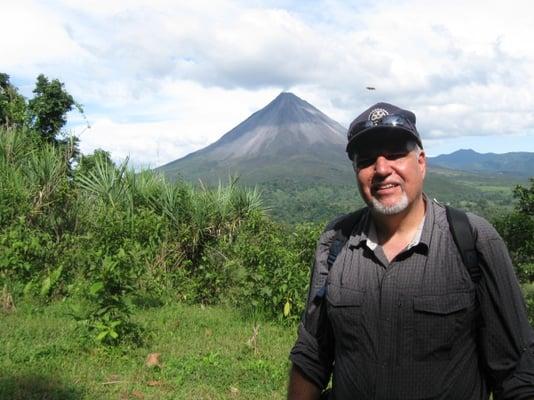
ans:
(205, 354)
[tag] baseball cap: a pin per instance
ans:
(381, 118)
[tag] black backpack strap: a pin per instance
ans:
(465, 240)
(335, 249)
(344, 228)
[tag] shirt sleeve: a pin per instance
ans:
(313, 351)
(505, 337)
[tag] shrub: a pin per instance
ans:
(118, 237)
(264, 269)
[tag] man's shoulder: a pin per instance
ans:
(345, 222)
(480, 226)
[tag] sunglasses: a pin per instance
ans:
(366, 160)
(388, 121)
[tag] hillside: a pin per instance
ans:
(515, 163)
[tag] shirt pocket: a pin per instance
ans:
(344, 310)
(438, 321)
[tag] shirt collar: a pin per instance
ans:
(365, 232)
(372, 236)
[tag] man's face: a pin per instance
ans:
(390, 174)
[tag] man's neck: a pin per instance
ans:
(400, 226)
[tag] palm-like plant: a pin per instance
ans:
(14, 149)
(107, 183)
(12, 145)
(220, 211)
(45, 172)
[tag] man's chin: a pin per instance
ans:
(389, 209)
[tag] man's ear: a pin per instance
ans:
(421, 161)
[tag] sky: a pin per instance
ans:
(159, 79)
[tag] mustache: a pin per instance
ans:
(375, 185)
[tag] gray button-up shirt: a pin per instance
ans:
(417, 327)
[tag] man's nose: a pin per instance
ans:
(382, 165)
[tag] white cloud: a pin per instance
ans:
(161, 78)
(147, 144)
(32, 35)
(189, 117)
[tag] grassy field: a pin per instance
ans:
(204, 353)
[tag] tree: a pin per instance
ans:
(12, 104)
(526, 198)
(87, 163)
(47, 110)
(517, 229)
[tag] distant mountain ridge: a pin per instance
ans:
(519, 163)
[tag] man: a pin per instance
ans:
(398, 315)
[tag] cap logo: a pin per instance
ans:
(377, 114)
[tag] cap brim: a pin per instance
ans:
(365, 137)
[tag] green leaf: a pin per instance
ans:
(287, 308)
(56, 274)
(101, 336)
(100, 326)
(27, 288)
(47, 284)
(96, 288)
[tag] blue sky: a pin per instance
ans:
(160, 79)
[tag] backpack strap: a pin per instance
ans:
(465, 240)
(343, 227)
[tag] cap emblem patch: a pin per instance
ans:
(377, 114)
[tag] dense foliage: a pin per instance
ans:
(517, 229)
(117, 238)
(12, 103)
(45, 113)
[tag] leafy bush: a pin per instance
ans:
(118, 237)
(264, 269)
(112, 283)
(25, 253)
(517, 229)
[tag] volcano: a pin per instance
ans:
(287, 139)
